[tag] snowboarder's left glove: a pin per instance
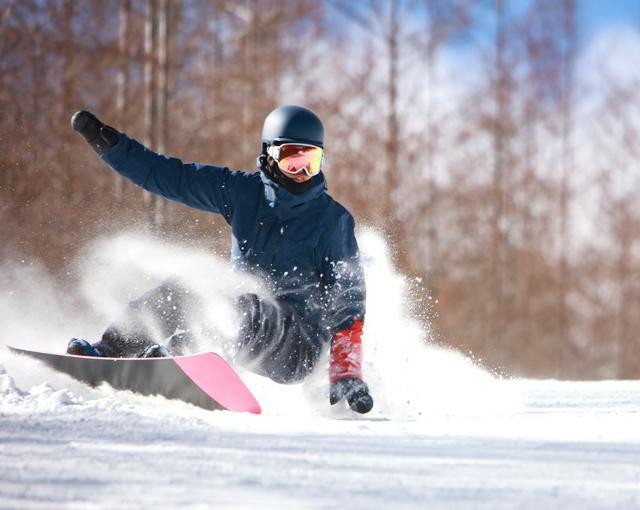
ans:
(345, 370)
(98, 135)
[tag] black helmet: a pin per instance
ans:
(291, 123)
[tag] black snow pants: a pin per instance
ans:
(273, 340)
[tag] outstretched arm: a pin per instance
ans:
(204, 187)
(345, 287)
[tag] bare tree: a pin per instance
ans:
(497, 255)
(122, 87)
(150, 107)
(66, 91)
(162, 100)
(567, 166)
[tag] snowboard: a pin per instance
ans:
(204, 380)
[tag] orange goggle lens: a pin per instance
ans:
(294, 158)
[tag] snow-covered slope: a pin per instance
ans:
(570, 446)
(443, 434)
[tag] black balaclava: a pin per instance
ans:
(270, 168)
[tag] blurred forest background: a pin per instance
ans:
(493, 145)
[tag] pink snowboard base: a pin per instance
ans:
(217, 379)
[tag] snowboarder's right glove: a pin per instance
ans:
(345, 370)
(355, 391)
(98, 135)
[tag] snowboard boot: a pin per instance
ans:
(155, 351)
(80, 347)
(181, 343)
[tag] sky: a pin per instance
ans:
(593, 16)
(598, 14)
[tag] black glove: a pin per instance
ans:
(355, 391)
(100, 137)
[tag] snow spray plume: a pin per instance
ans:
(408, 376)
(35, 311)
(122, 268)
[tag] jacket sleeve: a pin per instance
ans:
(344, 282)
(205, 187)
(343, 277)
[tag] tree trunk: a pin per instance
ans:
(66, 92)
(432, 254)
(495, 318)
(122, 81)
(149, 81)
(392, 115)
(162, 100)
(627, 369)
(568, 58)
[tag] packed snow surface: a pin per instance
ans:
(443, 433)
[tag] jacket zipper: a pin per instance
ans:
(277, 248)
(255, 243)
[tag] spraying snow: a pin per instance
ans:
(408, 378)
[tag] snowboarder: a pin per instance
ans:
(285, 228)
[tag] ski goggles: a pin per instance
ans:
(293, 158)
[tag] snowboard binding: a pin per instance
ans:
(80, 347)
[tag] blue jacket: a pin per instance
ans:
(302, 245)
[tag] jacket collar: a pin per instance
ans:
(286, 203)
